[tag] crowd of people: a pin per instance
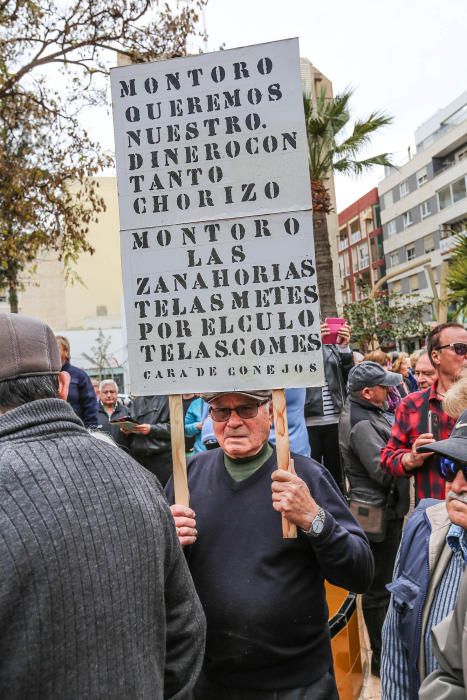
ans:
(110, 588)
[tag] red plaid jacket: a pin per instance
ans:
(408, 425)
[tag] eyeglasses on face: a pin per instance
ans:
(459, 348)
(222, 415)
(448, 468)
(425, 372)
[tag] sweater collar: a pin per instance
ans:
(41, 417)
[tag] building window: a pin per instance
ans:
(452, 193)
(355, 233)
(391, 227)
(458, 190)
(422, 177)
(344, 265)
(425, 209)
(413, 283)
(388, 199)
(404, 188)
(407, 218)
(396, 287)
(343, 241)
(393, 259)
(428, 243)
(444, 197)
(363, 257)
(410, 252)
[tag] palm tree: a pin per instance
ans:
(457, 275)
(330, 151)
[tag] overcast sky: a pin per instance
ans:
(406, 57)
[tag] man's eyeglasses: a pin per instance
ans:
(222, 415)
(425, 373)
(448, 468)
(459, 348)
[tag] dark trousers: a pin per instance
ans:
(324, 444)
(376, 599)
(322, 689)
(158, 464)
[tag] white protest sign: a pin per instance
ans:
(227, 304)
(211, 136)
(217, 247)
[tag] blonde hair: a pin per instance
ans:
(382, 358)
(455, 401)
(63, 343)
(398, 361)
(415, 356)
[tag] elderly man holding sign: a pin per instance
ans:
(264, 596)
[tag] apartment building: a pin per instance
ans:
(424, 202)
(360, 247)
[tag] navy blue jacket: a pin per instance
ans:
(410, 588)
(81, 395)
(263, 595)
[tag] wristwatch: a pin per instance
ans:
(317, 524)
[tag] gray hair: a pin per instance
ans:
(104, 383)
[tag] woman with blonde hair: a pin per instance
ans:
(383, 359)
(401, 365)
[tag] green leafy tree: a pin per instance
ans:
(47, 195)
(457, 276)
(378, 322)
(331, 150)
(48, 198)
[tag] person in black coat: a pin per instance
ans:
(81, 394)
(111, 409)
(150, 440)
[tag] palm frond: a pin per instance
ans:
(328, 147)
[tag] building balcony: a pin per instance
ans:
(447, 244)
(364, 262)
(343, 243)
(355, 237)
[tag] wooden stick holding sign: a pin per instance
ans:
(177, 430)
(289, 530)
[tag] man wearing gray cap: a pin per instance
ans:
(376, 499)
(264, 598)
(96, 600)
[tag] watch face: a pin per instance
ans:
(317, 526)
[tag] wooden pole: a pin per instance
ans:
(177, 430)
(289, 530)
